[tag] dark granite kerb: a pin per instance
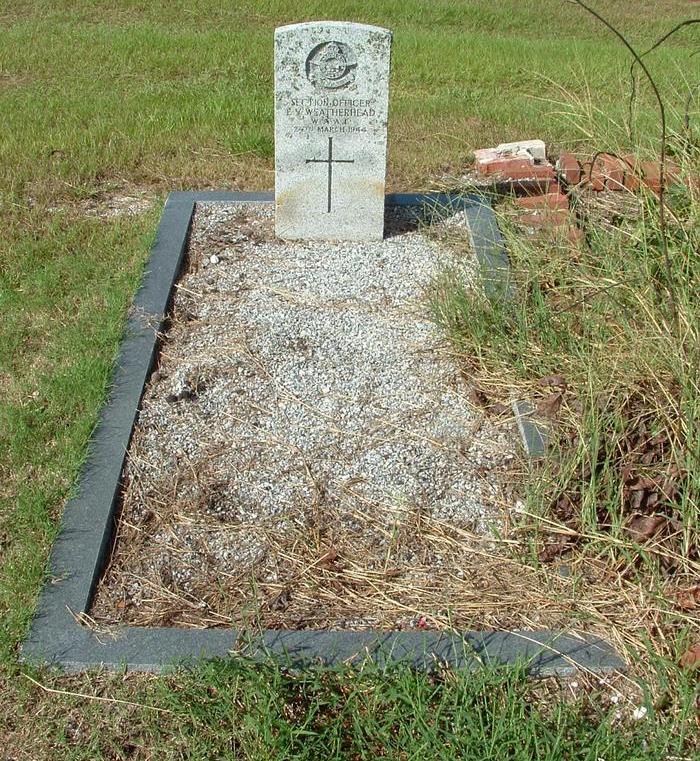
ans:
(61, 633)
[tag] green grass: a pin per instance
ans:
(181, 94)
(102, 98)
(229, 710)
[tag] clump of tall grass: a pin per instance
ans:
(605, 337)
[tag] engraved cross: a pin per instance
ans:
(330, 161)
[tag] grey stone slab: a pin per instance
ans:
(58, 635)
(152, 649)
(532, 432)
(490, 251)
(331, 113)
(79, 552)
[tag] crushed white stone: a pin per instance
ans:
(296, 374)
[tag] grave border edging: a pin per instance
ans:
(61, 632)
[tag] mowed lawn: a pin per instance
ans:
(102, 100)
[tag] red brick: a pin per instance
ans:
(533, 172)
(547, 219)
(484, 155)
(651, 174)
(575, 234)
(614, 184)
(632, 182)
(570, 168)
(648, 173)
(610, 171)
(550, 200)
(504, 166)
(605, 172)
(590, 177)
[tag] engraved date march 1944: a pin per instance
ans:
(331, 114)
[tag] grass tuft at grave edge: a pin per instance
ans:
(229, 709)
(145, 111)
(604, 338)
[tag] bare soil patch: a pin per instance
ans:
(108, 205)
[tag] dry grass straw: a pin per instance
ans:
(416, 572)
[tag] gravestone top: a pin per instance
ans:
(331, 112)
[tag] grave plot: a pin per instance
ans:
(290, 463)
(307, 455)
(388, 575)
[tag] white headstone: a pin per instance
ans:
(331, 111)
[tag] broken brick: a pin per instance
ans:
(570, 168)
(552, 200)
(504, 166)
(533, 172)
(651, 174)
(608, 171)
(484, 155)
(648, 173)
(546, 219)
(632, 182)
(605, 171)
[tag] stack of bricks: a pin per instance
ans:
(543, 192)
(524, 168)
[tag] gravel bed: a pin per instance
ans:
(305, 432)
